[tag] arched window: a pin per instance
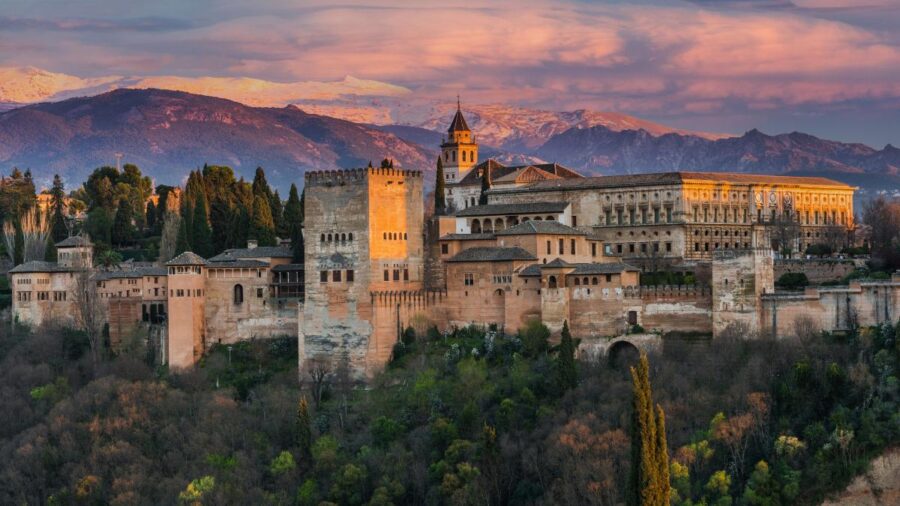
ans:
(463, 156)
(577, 281)
(594, 281)
(476, 227)
(329, 237)
(323, 238)
(343, 237)
(238, 295)
(584, 281)
(551, 282)
(350, 236)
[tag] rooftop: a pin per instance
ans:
(508, 209)
(500, 171)
(236, 264)
(257, 252)
(137, 272)
(74, 241)
(579, 269)
(459, 122)
(534, 227)
(672, 178)
(187, 258)
(287, 267)
(492, 254)
(40, 266)
(466, 237)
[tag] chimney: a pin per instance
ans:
(251, 243)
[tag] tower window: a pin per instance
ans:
(238, 294)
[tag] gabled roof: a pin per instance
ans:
(556, 263)
(466, 237)
(585, 269)
(459, 123)
(523, 175)
(532, 227)
(74, 241)
(510, 209)
(492, 254)
(258, 252)
(187, 258)
(40, 266)
(500, 171)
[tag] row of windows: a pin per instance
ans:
(642, 247)
(725, 245)
(185, 269)
(342, 237)
(643, 196)
(452, 154)
(394, 236)
(57, 295)
(238, 294)
(639, 216)
(469, 279)
(336, 276)
(196, 292)
(502, 278)
(737, 233)
(394, 275)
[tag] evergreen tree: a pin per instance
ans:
(58, 229)
(304, 428)
(648, 483)
(566, 372)
(261, 226)
(151, 216)
(123, 230)
(485, 184)
(182, 244)
(440, 206)
(50, 253)
(261, 186)
(293, 211)
(297, 247)
(201, 235)
(277, 207)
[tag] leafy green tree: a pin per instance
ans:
(648, 480)
(261, 226)
(535, 338)
(440, 205)
(566, 371)
(99, 225)
(201, 237)
(58, 229)
(123, 229)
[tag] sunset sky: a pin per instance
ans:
(827, 67)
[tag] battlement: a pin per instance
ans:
(343, 177)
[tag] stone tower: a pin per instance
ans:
(187, 298)
(459, 150)
(363, 230)
(739, 280)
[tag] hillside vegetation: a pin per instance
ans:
(471, 416)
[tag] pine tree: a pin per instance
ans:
(181, 244)
(123, 230)
(485, 184)
(440, 205)
(304, 428)
(648, 483)
(58, 229)
(566, 372)
(201, 236)
(261, 226)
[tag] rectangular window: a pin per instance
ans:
(562, 247)
(668, 247)
(323, 277)
(387, 276)
(572, 246)
(631, 248)
(350, 276)
(593, 249)
(548, 248)
(445, 248)
(259, 293)
(574, 221)
(336, 276)
(469, 279)
(609, 278)
(396, 274)
(405, 274)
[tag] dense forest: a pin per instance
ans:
(471, 416)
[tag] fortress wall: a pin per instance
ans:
(817, 271)
(676, 308)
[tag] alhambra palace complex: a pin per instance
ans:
(516, 244)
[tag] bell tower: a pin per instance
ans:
(459, 151)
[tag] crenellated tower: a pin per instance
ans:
(459, 150)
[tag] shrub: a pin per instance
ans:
(792, 281)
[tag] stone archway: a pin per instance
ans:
(622, 354)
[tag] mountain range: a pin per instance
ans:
(167, 133)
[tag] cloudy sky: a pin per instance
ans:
(828, 67)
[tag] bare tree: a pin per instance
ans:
(835, 237)
(784, 230)
(319, 370)
(35, 229)
(883, 219)
(90, 312)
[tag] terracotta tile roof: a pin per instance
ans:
(71, 242)
(187, 258)
(39, 266)
(500, 171)
(466, 237)
(509, 209)
(492, 254)
(540, 227)
(668, 178)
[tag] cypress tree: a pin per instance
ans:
(201, 236)
(566, 372)
(293, 210)
(277, 207)
(261, 226)
(304, 428)
(122, 231)
(485, 184)
(648, 482)
(58, 229)
(50, 251)
(440, 205)
(181, 244)
(261, 186)
(151, 216)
